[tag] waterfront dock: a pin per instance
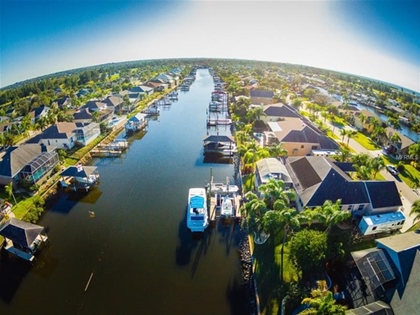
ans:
(113, 149)
(215, 205)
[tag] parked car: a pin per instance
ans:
(392, 169)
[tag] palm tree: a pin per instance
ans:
(350, 134)
(415, 210)
(395, 139)
(362, 119)
(330, 213)
(363, 171)
(376, 164)
(276, 150)
(361, 159)
(274, 192)
(254, 210)
(96, 116)
(343, 133)
(255, 113)
(343, 154)
(9, 191)
(289, 219)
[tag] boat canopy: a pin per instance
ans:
(197, 202)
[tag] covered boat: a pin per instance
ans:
(197, 216)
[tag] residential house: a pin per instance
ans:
(175, 72)
(305, 87)
(261, 97)
(399, 148)
(114, 102)
(157, 85)
(39, 112)
(142, 89)
(271, 168)
(82, 116)
(22, 239)
(299, 137)
(29, 162)
(105, 112)
(279, 111)
(391, 272)
(366, 122)
(66, 135)
(84, 92)
(63, 102)
(317, 179)
(167, 79)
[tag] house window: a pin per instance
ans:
(350, 207)
(374, 228)
(314, 147)
(360, 207)
(302, 146)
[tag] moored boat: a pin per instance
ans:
(197, 216)
(226, 210)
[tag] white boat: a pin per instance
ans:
(227, 207)
(221, 188)
(197, 216)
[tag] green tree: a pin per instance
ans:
(307, 250)
(297, 103)
(254, 210)
(330, 213)
(276, 150)
(322, 302)
(9, 191)
(274, 191)
(96, 117)
(343, 133)
(350, 134)
(415, 210)
(414, 151)
(376, 164)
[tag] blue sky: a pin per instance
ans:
(373, 38)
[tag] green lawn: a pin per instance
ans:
(366, 142)
(410, 176)
(267, 259)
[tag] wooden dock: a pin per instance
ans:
(214, 209)
(113, 149)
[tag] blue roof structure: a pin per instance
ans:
(197, 202)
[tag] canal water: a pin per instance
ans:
(136, 250)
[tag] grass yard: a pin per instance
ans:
(366, 142)
(410, 176)
(267, 259)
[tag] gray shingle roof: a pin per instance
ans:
(280, 110)
(261, 93)
(61, 130)
(20, 232)
(317, 179)
(16, 158)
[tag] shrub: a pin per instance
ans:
(400, 167)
